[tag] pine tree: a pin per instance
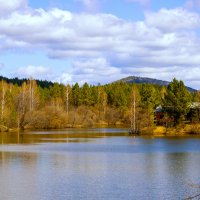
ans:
(177, 100)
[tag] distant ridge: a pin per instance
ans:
(140, 80)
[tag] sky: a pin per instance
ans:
(100, 41)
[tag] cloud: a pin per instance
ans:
(9, 6)
(64, 78)
(94, 71)
(93, 66)
(141, 2)
(103, 47)
(192, 4)
(90, 5)
(36, 72)
(173, 19)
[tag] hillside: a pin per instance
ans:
(137, 79)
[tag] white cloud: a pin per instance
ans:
(98, 66)
(65, 78)
(96, 70)
(8, 6)
(173, 19)
(103, 47)
(36, 72)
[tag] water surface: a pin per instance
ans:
(96, 164)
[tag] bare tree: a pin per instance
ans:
(33, 94)
(22, 104)
(3, 91)
(134, 129)
(67, 98)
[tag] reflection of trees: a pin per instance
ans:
(11, 138)
(18, 158)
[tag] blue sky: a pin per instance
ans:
(100, 41)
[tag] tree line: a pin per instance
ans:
(32, 105)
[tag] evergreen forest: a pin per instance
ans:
(42, 105)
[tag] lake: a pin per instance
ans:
(97, 164)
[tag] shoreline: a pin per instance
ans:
(156, 131)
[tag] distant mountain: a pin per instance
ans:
(137, 79)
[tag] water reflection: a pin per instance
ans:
(69, 135)
(91, 165)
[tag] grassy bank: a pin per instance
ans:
(181, 130)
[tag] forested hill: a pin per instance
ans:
(137, 79)
(41, 83)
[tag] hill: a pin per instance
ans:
(140, 80)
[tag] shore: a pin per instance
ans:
(181, 130)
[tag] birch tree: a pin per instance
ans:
(22, 104)
(33, 94)
(68, 90)
(3, 92)
(134, 105)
